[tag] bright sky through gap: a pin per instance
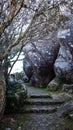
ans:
(18, 67)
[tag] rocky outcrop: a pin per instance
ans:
(54, 85)
(64, 62)
(42, 49)
(39, 61)
(65, 109)
(68, 88)
(27, 67)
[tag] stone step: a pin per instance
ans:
(40, 96)
(39, 110)
(44, 102)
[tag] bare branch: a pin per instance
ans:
(13, 12)
(15, 60)
(21, 36)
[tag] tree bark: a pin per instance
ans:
(2, 92)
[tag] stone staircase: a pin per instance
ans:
(41, 103)
(41, 111)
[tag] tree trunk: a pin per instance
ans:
(2, 92)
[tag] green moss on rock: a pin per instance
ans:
(55, 85)
(15, 98)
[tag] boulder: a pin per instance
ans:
(27, 67)
(64, 62)
(54, 85)
(62, 96)
(39, 61)
(42, 46)
(65, 109)
(68, 88)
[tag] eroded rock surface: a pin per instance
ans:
(66, 109)
(64, 62)
(68, 88)
(39, 61)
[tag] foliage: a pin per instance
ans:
(16, 94)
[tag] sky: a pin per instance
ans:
(18, 66)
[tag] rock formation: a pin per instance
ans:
(39, 61)
(64, 62)
(40, 55)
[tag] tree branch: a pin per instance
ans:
(22, 35)
(15, 60)
(13, 12)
